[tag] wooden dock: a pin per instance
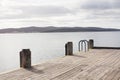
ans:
(96, 64)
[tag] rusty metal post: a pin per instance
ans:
(91, 44)
(69, 48)
(25, 58)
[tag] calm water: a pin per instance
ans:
(46, 46)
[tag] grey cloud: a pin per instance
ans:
(116, 4)
(45, 10)
(37, 11)
(104, 14)
(102, 9)
(101, 4)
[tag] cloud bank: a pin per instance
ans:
(18, 13)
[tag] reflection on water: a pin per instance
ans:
(46, 46)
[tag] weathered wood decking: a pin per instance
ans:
(97, 64)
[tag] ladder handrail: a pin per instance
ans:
(80, 45)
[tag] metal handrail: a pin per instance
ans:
(81, 43)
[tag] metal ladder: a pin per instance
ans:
(83, 45)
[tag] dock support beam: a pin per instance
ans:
(91, 44)
(69, 48)
(25, 58)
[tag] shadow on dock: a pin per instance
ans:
(106, 47)
(35, 70)
(75, 55)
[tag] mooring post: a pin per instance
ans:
(25, 58)
(69, 48)
(91, 44)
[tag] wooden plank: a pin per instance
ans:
(97, 64)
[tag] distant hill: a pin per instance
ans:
(55, 29)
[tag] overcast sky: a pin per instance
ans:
(94, 13)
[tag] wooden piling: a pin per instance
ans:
(25, 58)
(91, 44)
(69, 48)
